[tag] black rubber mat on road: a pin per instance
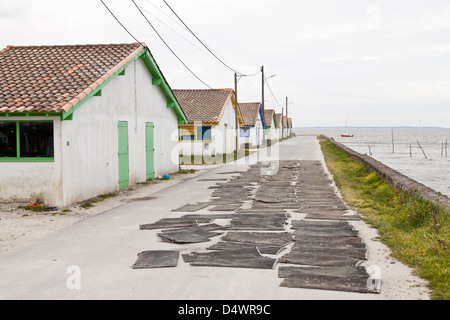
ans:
(324, 232)
(348, 279)
(339, 215)
(170, 223)
(343, 272)
(258, 222)
(190, 235)
(242, 258)
(325, 250)
(260, 238)
(192, 207)
(354, 253)
(330, 241)
(335, 224)
(318, 259)
(226, 207)
(157, 259)
(211, 217)
(321, 282)
(263, 248)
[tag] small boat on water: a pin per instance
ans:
(347, 135)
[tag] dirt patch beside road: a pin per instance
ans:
(20, 227)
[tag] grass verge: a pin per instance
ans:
(416, 230)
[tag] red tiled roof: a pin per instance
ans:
(285, 121)
(207, 106)
(268, 117)
(249, 112)
(279, 117)
(56, 78)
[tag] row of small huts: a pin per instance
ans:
(84, 120)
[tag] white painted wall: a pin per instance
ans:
(223, 137)
(130, 98)
(86, 148)
(226, 137)
(254, 139)
(258, 138)
(272, 134)
(199, 148)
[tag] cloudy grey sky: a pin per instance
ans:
(374, 63)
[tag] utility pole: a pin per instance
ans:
(287, 117)
(282, 123)
(236, 113)
(263, 84)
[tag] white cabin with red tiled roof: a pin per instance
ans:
(211, 127)
(252, 131)
(271, 126)
(84, 120)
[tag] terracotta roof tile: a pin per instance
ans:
(285, 121)
(57, 77)
(268, 117)
(279, 117)
(249, 112)
(207, 106)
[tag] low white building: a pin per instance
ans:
(271, 129)
(289, 126)
(84, 120)
(285, 127)
(252, 132)
(279, 131)
(211, 127)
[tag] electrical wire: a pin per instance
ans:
(172, 29)
(162, 39)
(271, 92)
(122, 24)
(207, 48)
(164, 13)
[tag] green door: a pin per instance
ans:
(123, 155)
(150, 150)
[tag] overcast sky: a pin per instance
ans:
(364, 63)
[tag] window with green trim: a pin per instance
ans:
(26, 141)
(8, 139)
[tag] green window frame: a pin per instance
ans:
(19, 140)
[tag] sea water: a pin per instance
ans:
(422, 154)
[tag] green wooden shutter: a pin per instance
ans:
(150, 150)
(123, 155)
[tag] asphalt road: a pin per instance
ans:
(92, 259)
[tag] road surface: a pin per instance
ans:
(92, 259)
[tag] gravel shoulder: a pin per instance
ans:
(20, 227)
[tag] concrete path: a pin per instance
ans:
(92, 259)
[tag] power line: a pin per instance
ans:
(172, 29)
(162, 39)
(164, 13)
(122, 24)
(271, 92)
(177, 33)
(215, 56)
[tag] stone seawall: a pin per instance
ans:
(398, 180)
